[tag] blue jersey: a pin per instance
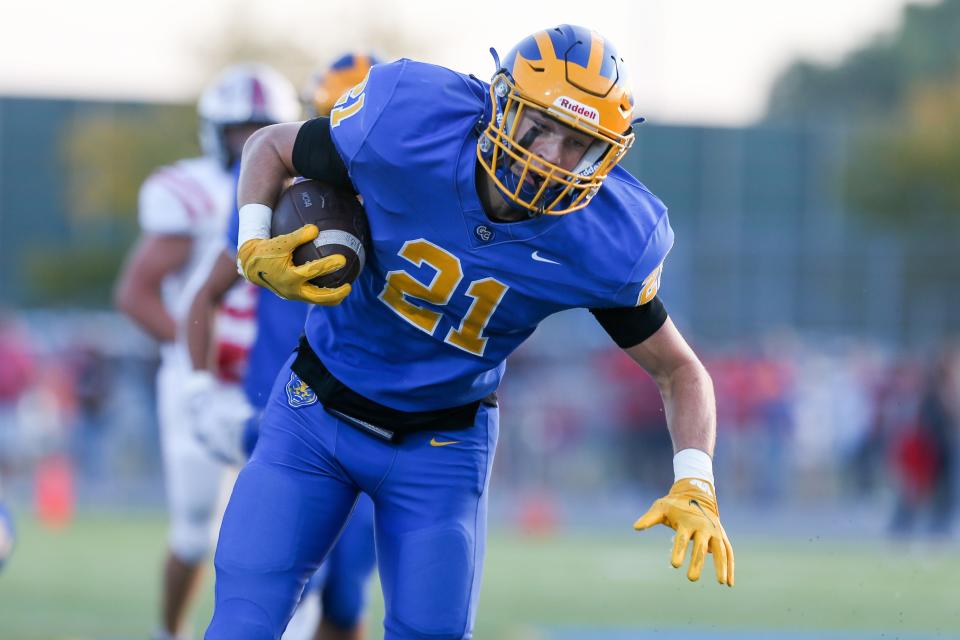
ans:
(448, 294)
(279, 325)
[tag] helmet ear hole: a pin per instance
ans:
(510, 119)
(591, 158)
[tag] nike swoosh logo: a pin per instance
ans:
(442, 443)
(697, 505)
(539, 258)
(260, 274)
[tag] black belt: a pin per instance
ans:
(369, 416)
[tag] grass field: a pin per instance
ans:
(98, 580)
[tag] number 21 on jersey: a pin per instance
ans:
(401, 287)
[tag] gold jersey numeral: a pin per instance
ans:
(401, 284)
(651, 285)
(486, 294)
(349, 104)
(400, 287)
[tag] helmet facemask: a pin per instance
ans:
(551, 189)
(573, 77)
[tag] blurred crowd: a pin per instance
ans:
(800, 421)
(76, 388)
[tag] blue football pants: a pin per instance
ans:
(290, 503)
(342, 578)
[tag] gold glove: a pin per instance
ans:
(268, 262)
(691, 509)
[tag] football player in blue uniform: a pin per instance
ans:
(490, 208)
(343, 578)
(7, 533)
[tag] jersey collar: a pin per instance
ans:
(482, 231)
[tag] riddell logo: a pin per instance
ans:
(577, 108)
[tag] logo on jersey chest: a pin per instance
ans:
(483, 233)
(299, 394)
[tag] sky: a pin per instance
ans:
(691, 61)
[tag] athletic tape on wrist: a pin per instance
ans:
(692, 463)
(254, 222)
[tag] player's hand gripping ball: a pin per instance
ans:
(318, 246)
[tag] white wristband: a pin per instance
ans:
(692, 463)
(254, 222)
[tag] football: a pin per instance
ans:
(340, 218)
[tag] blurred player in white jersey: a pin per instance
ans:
(184, 208)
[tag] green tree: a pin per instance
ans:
(107, 151)
(908, 170)
(900, 97)
(874, 81)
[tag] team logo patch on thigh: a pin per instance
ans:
(299, 394)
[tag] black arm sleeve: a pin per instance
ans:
(629, 326)
(316, 157)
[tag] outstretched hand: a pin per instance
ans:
(691, 510)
